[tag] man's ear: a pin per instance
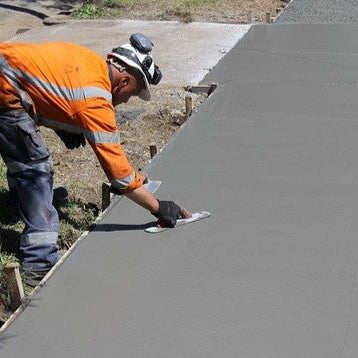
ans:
(124, 81)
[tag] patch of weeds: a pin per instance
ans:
(87, 11)
(75, 217)
(109, 3)
(3, 180)
(110, 8)
(67, 236)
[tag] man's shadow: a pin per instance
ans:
(123, 227)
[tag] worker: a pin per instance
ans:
(72, 90)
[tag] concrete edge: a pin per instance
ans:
(286, 7)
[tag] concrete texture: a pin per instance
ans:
(185, 56)
(320, 12)
(273, 156)
(4, 13)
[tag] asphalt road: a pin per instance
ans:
(320, 12)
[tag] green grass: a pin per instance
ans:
(75, 217)
(111, 8)
(88, 11)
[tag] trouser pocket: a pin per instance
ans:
(32, 141)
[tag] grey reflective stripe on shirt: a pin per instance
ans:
(102, 137)
(63, 92)
(8, 72)
(13, 75)
(93, 137)
(122, 183)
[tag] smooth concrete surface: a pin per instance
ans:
(184, 52)
(273, 272)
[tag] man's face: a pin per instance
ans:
(128, 86)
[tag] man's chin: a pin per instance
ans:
(119, 101)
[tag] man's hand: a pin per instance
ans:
(169, 212)
(166, 211)
(71, 140)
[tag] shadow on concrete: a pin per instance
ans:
(123, 227)
(4, 338)
(38, 14)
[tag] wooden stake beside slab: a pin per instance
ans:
(14, 285)
(249, 17)
(188, 106)
(274, 7)
(268, 18)
(153, 150)
(106, 196)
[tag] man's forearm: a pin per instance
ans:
(144, 198)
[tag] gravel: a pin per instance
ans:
(320, 12)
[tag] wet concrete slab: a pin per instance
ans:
(273, 271)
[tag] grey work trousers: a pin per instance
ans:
(30, 175)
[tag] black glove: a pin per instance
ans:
(168, 213)
(115, 190)
(71, 140)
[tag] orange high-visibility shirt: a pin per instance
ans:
(68, 87)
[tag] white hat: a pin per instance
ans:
(137, 54)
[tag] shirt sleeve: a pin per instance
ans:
(101, 131)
